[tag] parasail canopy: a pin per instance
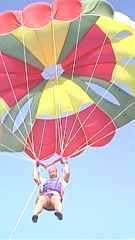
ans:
(66, 77)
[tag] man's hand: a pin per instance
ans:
(36, 175)
(64, 161)
(36, 164)
(66, 170)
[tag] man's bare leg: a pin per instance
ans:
(40, 205)
(57, 204)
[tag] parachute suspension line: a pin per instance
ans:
(44, 126)
(117, 116)
(27, 82)
(58, 109)
(64, 135)
(84, 147)
(105, 92)
(52, 163)
(77, 114)
(19, 139)
(22, 213)
(43, 132)
(56, 124)
(76, 47)
(40, 43)
(12, 89)
(97, 61)
(12, 150)
(73, 69)
(98, 102)
(112, 120)
(8, 148)
(111, 132)
(49, 164)
(42, 138)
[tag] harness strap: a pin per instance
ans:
(55, 188)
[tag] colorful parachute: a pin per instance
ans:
(66, 77)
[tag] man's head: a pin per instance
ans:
(52, 171)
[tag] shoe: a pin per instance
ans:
(59, 215)
(34, 218)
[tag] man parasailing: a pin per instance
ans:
(51, 190)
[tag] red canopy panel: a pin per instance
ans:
(94, 56)
(16, 79)
(69, 135)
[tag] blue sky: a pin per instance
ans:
(100, 199)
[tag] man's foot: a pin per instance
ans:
(59, 215)
(34, 218)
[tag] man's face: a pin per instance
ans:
(52, 172)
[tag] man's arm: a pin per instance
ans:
(66, 171)
(36, 174)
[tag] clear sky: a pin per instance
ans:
(100, 200)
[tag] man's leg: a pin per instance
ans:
(57, 204)
(40, 205)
